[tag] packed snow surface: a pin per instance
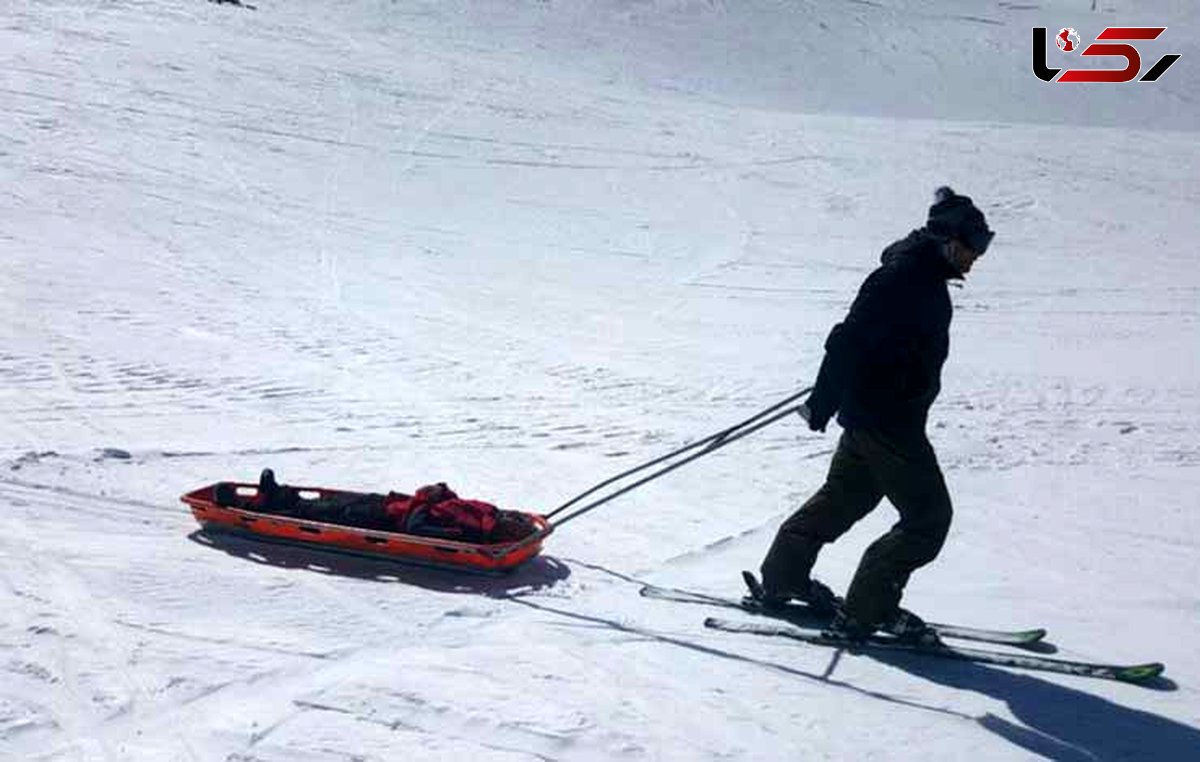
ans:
(522, 246)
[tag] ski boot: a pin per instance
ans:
(815, 594)
(274, 497)
(268, 488)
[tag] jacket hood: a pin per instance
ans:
(925, 248)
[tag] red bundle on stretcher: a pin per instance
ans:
(432, 526)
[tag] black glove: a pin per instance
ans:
(804, 412)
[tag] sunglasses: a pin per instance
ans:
(979, 240)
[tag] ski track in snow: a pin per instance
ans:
(519, 249)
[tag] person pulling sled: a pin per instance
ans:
(880, 374)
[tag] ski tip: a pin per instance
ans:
(1034, 636)
(1140, 673)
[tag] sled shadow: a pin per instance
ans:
(1058, 722)
(539, 573)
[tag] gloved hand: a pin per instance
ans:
(804, 412)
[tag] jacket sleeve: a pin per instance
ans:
(864, 330)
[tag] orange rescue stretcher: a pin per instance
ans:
(240, 516)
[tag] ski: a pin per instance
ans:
(802, 616)
(1128, 673)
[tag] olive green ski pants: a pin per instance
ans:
(868, 466)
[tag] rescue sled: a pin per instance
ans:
(435, 527)
(241, 508)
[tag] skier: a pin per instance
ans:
(880, 374)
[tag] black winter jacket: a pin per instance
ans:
(883, 363)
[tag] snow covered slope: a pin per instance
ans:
(521, 246)
(889, 58)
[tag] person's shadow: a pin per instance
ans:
(1061, 723)
(539, 573)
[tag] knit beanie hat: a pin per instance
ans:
(955, 216)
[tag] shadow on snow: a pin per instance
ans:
(1056, 722)
(539, 573)
(1059, 722)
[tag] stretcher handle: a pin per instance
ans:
(704, 446)
(709, 443)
